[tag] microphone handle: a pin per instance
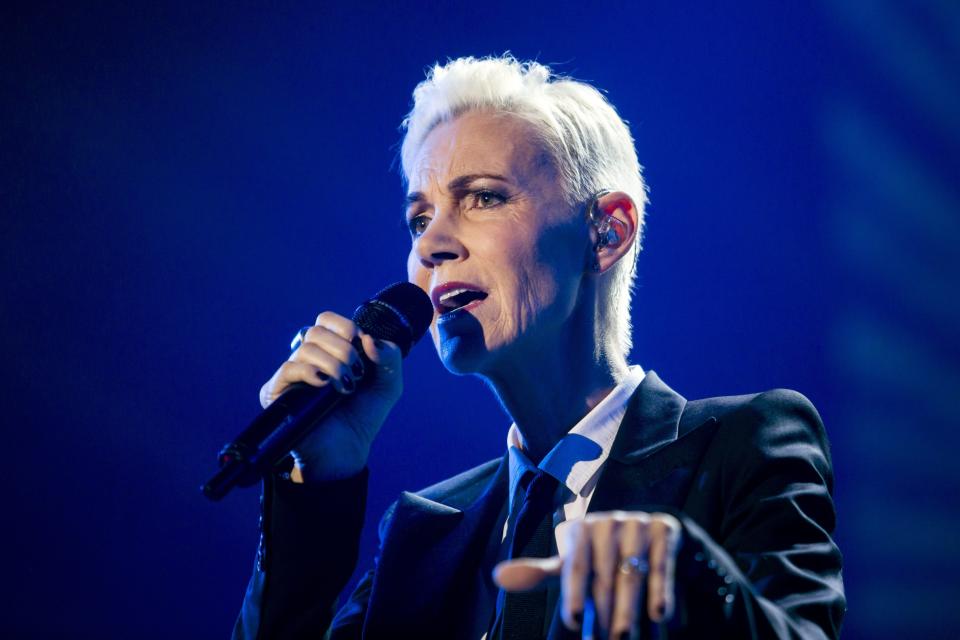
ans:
(277, 430)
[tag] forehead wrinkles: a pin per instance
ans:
(440, 158)
(478, 143)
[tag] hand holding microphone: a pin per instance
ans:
(337, 359)
(330, 354)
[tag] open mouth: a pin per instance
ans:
(454, 297)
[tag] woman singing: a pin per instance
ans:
(619, 508)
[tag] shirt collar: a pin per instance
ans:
(578, 456)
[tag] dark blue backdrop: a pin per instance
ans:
(185, 185)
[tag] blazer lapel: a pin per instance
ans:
(652, 462)
(429, 559)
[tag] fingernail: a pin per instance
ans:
(322, 376)
(658, 611)
(578, 618)
(357, 369)
(347, 383)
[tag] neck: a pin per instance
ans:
(548, 394)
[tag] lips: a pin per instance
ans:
(455, 296)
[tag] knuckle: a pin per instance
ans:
(659, 522)
(602, 584)
(629, 534)
(325, 317)
(667, 521)
(313, 334)
(338, 350)
(602, 528)
(577, 565)
(338, 324)
(581, 534)
(305, 350)
(284, 373)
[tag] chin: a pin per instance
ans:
(463, 348)
(462, 355)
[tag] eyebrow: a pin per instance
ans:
(457, 184)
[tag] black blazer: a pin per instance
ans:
(748, 476)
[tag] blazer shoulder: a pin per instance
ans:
(458, 491)
(755, 409)
(780, 419)
(461, 489)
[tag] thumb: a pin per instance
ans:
(524, 574)
(384, 354)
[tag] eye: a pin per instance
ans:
(486, 199)
(417, 225)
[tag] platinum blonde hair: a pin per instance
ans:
(590, 145)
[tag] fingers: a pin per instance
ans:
(614, 557)
(633, 544)
(318, 364)
(606, 555)
(664, 539)
(325, 356)
(575, 574)
(343, 327)
(386, 357)
(526, 573)
(337, 334)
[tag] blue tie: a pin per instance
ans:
(523, 615)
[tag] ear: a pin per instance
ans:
(613, 229)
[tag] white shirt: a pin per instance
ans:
(579, 456)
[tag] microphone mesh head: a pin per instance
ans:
(400, 313)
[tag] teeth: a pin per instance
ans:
(453, 292)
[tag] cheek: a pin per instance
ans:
(547, 277)
(416, 273)
(412, 264)
(529, 285)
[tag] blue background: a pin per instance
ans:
(184, 185)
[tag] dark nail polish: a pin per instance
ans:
(322, 376)
(347, 383)
(578, 618)
(357, 369)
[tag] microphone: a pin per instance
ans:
(400, 313)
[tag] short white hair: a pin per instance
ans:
(589, 142)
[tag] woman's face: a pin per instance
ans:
(494, 244)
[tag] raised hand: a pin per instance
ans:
(615, 563)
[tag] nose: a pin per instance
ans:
(440, 242)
